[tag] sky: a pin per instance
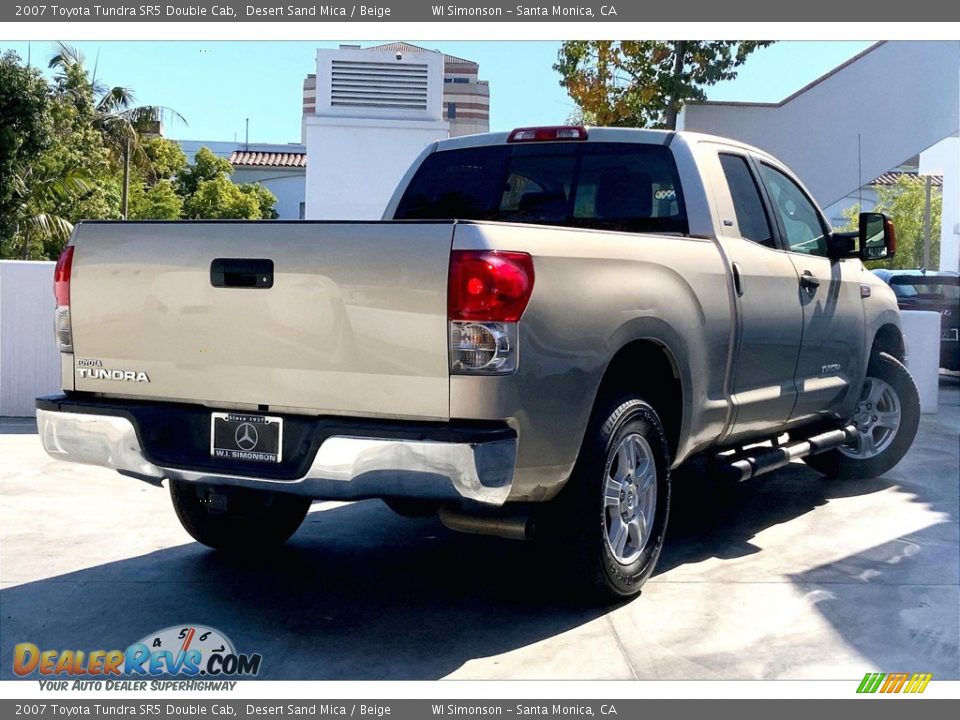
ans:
(216, 86)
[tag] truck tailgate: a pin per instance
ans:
(354, 322)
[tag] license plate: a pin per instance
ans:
(948, 334)
(238, 436)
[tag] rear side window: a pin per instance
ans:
(615, 186)
(751, 217)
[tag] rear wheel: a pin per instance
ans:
(237, 519)
(610, 520)
(887, 416)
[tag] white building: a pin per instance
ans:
(890, 103)
(374, 112)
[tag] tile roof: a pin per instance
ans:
(890, 178)
(268, 159)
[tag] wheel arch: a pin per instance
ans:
(889, 339)
(660, 382)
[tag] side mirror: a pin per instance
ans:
(878, 239)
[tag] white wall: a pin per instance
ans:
(944, 159)
(900, 97)
(355, 164)
(29, 360)
(288, 184)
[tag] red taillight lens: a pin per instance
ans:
(546, 134)
(61, 277)
(489, 285)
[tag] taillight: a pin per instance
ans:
(63, 328)
(487, 292)
(546, 134)
(489, 285)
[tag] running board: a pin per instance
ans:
(759, 461)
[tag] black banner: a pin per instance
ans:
(482, 11)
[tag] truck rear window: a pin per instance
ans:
(613, 186)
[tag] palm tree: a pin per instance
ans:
(114, 115)
(34, 189)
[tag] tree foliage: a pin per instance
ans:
(210, 194)
(64, 143)
(25, 133)
(644, 83)
(904, 203)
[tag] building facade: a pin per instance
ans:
(893, 102)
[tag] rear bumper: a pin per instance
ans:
(399, 460)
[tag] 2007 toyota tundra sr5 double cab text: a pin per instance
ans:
(547, 323)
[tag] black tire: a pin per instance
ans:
(413, 508)
(237, 519)
(574, 526)
(841, 463)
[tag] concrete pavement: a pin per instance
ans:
(789, 576)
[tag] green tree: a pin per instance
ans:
(154, 195)
(112, 112)
(206, 166)
(219, 198)
(37, 229)
(159, 201)
(644, 83)
(209, 192)
(904, 203)
(166, 158)
(265, 199)
(25, 133)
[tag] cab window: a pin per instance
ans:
(747, 203)
(799, 220)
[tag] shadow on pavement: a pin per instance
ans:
(18, 426)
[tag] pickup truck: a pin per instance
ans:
(544, 325)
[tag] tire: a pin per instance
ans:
(887, 417)
(412, 508)
(599, 527)
(237, 519)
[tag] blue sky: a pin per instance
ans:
(216, 85)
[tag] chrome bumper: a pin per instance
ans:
(345, 467)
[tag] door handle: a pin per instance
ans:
(241, 273)
(808, 281)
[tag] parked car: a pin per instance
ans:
(935, 291)
(547, 322)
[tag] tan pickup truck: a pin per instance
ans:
(545, 324)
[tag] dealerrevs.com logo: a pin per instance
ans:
(191, 651)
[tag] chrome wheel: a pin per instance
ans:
(877, 419)
(629, 497)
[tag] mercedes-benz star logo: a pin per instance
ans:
(246, 437)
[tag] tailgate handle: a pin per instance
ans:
(241, 273)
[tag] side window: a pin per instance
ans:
(798, 216)
(747, 204)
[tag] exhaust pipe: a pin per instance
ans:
(513, 528)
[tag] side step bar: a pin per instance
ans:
(759, 461)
